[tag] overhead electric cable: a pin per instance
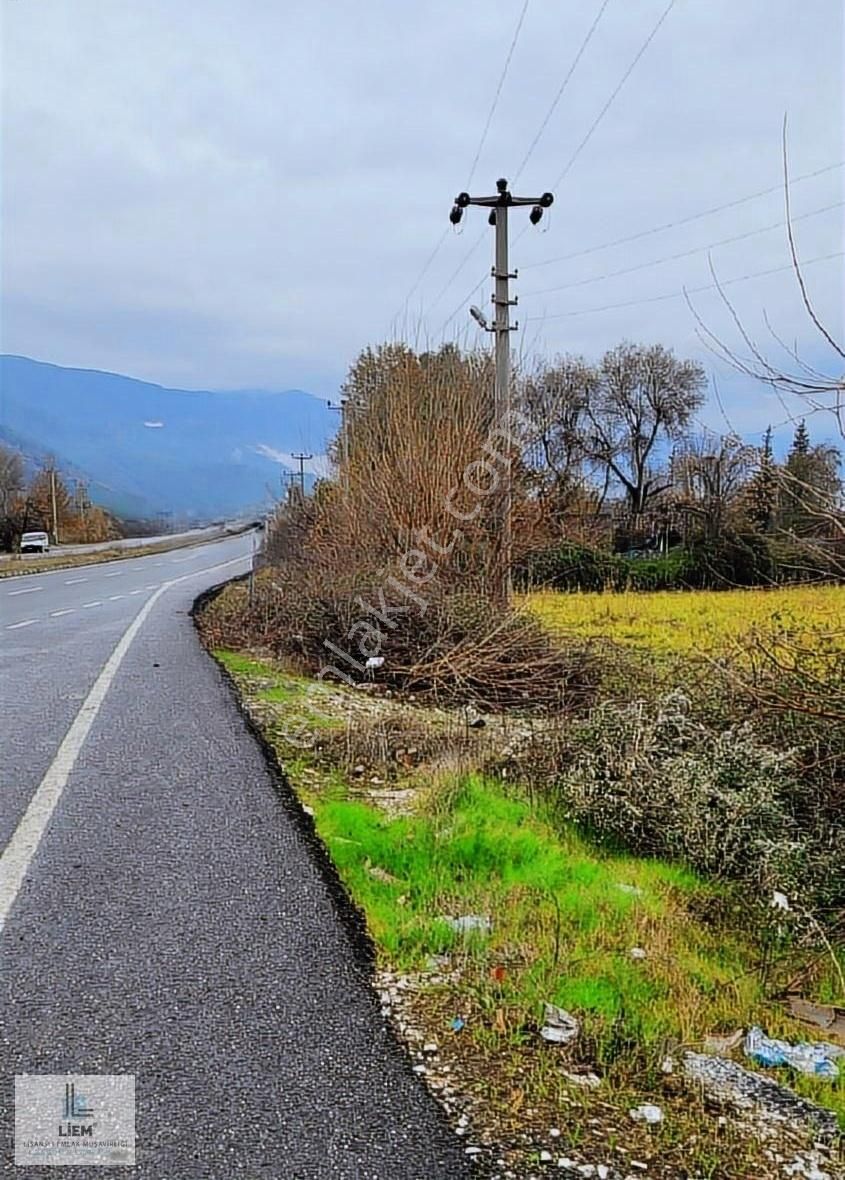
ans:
(474, 247)
(614, 93)
(436, 250)
(684, 253)
(497, 95)
(656, 229)
(561, 89)
(684, 291)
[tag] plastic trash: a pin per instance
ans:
(587, 1081)
(816, 1060)
(647, 1113)
(457, 1024)
(469, 923)
(560, 1027)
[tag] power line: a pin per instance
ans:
(683, 220)
(659, 229)
(464, 301)
(474, 247)
(684, 291)
(436, 250)
(614, 93)
(563, 86)
(497, 95)
(457, 271)
(427, 264)
(685, 253)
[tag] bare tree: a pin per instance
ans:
(823, 392)
(711, 474)
(643, 396)
(11, 478)
(554, 399)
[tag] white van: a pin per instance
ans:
(35, 543)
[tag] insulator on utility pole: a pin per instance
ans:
(502, 328)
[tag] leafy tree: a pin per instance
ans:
(810, 486)
(800, 440)
(762, 498)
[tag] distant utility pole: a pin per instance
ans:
(341, 407)
(302, 459)
(502, 328)
(82, 498)
(55, 508)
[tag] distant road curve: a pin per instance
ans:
(64, 556)
(207, 534)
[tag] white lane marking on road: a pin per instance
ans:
(54, 614)
(85, 605)
(25, 623)
(75, 581)
(18, 853)
(153, 586)
(119, 574)
(29, 590)
(114, 597)
(136, 591)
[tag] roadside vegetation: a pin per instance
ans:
(35, 500)
(618, 792)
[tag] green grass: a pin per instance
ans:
(563, 929)
(295, 696)
(563, 925)
(241, 665)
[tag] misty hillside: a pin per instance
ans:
(147, 449)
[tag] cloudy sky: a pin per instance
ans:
(233, 195)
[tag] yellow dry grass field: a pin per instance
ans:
(681, 622)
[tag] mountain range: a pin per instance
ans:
(145, 449)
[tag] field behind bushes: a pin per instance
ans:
(708, 622)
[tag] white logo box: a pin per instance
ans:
(75, 1120)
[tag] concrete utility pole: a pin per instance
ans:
(341, 407)
(302, 459)
(55, 508)
(502, 328)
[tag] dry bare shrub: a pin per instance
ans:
(399, 558)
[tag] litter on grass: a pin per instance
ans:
(471, 923)
(816, 1060)
(647, 1113)
(560, 1027)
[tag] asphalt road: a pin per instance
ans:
(172, 922)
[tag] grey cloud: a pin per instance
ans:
(242, 195)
